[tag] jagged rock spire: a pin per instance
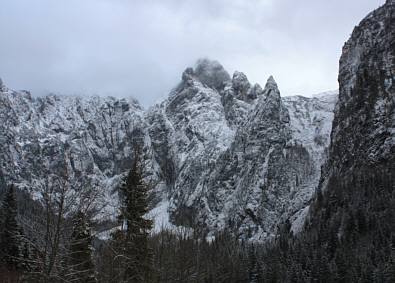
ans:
(240, 82)
(271, 83)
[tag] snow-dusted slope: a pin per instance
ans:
(310, 124)
(311, 120)
(233, 155)
(87, 139)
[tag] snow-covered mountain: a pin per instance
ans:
(238, 157)
(358, 179)
(87, 139)
(233, 155)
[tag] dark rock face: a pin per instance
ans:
(359, 174)
(2, 182)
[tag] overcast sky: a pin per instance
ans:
(140, 48)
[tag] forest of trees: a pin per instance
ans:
(50, 239)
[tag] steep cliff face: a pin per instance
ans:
(245, 190)
(89, 139)
(232, 155)
(358, 178)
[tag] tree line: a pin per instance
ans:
(50, 239)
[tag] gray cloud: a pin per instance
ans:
(140, 48)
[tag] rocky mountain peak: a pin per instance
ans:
(187, 74)
(270, 108)
(271, 84)
(2, 86)
(211, 73)
(240, 83)
(271, 95)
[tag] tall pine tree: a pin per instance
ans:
(10, 237)
(131, 240)
(80, 264)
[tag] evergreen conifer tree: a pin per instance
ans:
(10, 237)
(131, 241)
(81, 266)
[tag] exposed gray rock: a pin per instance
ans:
(88, 139)
(241, 86)
(235, 164)
(232, 156)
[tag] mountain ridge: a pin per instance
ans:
(199, 128)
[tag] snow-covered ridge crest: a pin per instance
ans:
(89, 138)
